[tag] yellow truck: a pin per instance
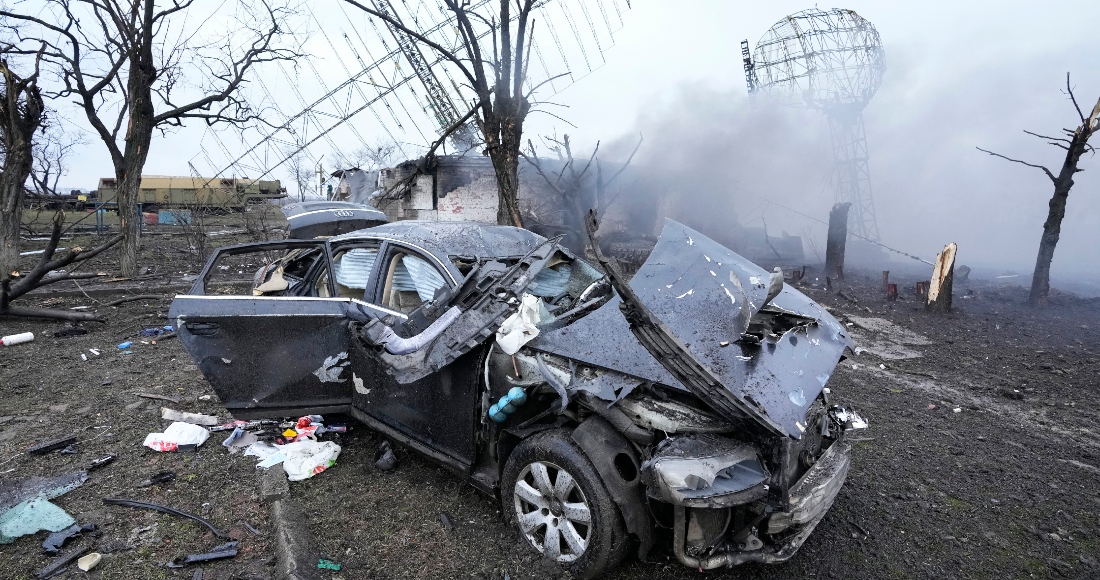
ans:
(208, 193)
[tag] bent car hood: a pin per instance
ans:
(706, 295)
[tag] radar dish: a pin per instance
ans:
(832, 61)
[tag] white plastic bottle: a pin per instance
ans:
(17, 338)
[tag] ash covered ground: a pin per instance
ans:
(982, 459)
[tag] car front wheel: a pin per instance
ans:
(558, 504)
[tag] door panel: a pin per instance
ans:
(257, 331)
(269, 356)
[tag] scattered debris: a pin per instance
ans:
(304, 459)
(14, 339)
(326, 564)
(239, 439)
(226, 550)
(254, 531)
(52, 445)
(175, 399)
(60, 564)
(446, 521)
(957, 410)
(164, 509)
(69, 450)
(70, 331)
(90, 561)
(125, 345)
(96, 464)
(384, 458)
(161, 477)
(55, 541)
(192, 418)
(32, 516)
(156, 331)
(177, 435)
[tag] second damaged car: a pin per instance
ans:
(692, 397)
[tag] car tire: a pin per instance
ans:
(571, 492)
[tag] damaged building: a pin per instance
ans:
(464, 188)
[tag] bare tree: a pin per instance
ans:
(575, 189)
(132, 70)
(1076, 143)
(43, 273)
(378, 156)
(22, 113)
(51, 152)
(302, 174)
(493, 58)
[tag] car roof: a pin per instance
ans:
(446, 239)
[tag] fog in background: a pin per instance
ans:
(959, 75)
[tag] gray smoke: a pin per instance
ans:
(711, 158)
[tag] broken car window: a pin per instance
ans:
(410, 281)
(352, 270)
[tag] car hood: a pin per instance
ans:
(775, 358)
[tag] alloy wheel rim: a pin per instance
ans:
(552, 511)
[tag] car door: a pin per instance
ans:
(438, 411)
(268, 329)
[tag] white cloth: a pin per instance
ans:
(521, 327)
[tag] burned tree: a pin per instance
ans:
(575, 189)
(22, 113)
(128, 69)
(1075, 143)
(494, 64)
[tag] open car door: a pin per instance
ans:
(268, 331)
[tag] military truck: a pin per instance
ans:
(207, 193)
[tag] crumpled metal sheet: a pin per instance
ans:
(706, 295)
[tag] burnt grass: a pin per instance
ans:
(1007, 487)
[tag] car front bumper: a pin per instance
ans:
(810, 500)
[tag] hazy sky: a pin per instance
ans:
(960, 75)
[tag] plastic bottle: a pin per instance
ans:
(14, 339)
(125, 345)
(507, 404)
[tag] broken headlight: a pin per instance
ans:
(705, 470)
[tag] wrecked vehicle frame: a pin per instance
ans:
(598, 409)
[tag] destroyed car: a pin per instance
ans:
(599, 410)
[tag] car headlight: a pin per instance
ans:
(705, 467)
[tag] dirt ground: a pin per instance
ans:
(982, 459)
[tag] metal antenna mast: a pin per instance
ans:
(439, 100)
(750, 72)
(385, 85)
(833, 62)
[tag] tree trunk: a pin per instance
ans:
(837, 238)
(12, 180)
(21, 113)
(1052, 229)
(943, 274)
(139, 134)
(508, 124)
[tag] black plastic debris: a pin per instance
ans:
(165, 509)
(70, 331)
(52, 445)
(61, 564)
(70, 450)
(55, 541)
(96, 464)
(226, 550)
(161, 477)
(384, 458)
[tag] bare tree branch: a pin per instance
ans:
(1045, 170)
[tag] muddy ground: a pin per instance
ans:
(982, 459)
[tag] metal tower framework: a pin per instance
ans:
(851, 178)
(410, 108)
(833, 62)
